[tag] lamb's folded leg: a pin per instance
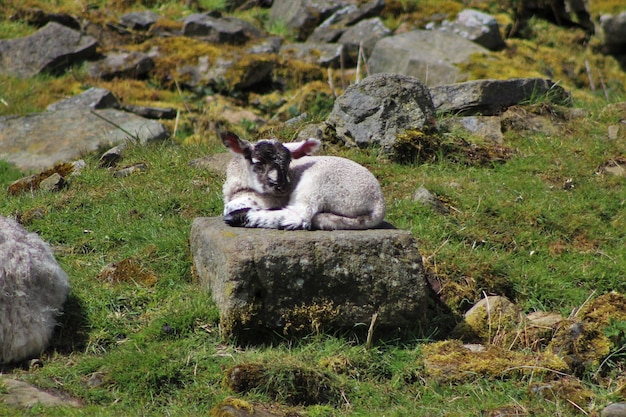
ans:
(236, 209)
(285, 218)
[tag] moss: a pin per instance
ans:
(127, 270)
(165, 24)
(583, 341)
(414, 145)
(607, 307)
(293, 384)
(29, 215)
(314, 98)
(451, 361)
(244, 67)
(244, 377)
(140, 92)
(310, 317)
(295, 73)
(493, 320)
(237, 323)
(458, 297)
(418, 13)
(267, 103)
(175, 53)
(230, 407)
(569, 390)
(339, 364)
(31, 183)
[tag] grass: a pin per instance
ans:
(543, 227)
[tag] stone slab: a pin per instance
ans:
(290, 282)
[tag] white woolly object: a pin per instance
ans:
(324, 192)
(33, 288)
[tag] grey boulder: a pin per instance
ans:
(295, 282)
(52, 49)
(380, 107)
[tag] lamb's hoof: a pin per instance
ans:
(237, 218)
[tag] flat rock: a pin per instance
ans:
(21, 394)
(489, 97)
(614, 410)
(304, 281)
(139, 20)
(150, 112)
(487, 127)
(51, 49)
(121, 65)
(38, 141)
(93, 98)
(422, 195)
(430, 56)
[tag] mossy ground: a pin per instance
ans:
(543, 226)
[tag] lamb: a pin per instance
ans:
(33, 288)
(280, 186)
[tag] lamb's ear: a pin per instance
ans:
(234, 143)
(308, 147)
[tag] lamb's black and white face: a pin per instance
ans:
(268, 162)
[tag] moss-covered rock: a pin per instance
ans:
(293, 384)
(235, 407)
(597, 329)
(492, 320)
(569, 390)
(451, 361)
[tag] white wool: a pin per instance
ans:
(33, 288)
(326, 193)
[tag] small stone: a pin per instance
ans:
(121, 65)
(151, 112)
(614, 410)
(544, 319)
(139, 20)
(35, 363)
(427, 198)
(613, 132)
(475, 347)
(111, 157)
(78, 166)
(21, 394)
(95, 380)
(125, 172)
(54, 182)
(619, 170)
(489, 320)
